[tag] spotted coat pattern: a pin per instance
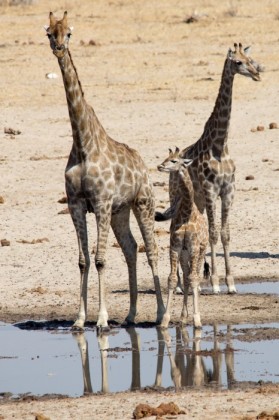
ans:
(213, 171)
(188, 237)
(107, 178)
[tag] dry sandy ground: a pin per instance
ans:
(152, 80)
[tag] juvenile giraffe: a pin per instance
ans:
(188, 237)
(212, 170)
(107, 178)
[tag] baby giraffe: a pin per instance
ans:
(188, 238)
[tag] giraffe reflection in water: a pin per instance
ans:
(187, 361)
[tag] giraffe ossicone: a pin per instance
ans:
(107, 178)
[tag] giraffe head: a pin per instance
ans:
(58, 34)
(241, 63)
(174, 162)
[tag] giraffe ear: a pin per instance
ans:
(187, 162)
(230, 54)
(247, 50)
(170, 151)
(177, 149)
(46, 27)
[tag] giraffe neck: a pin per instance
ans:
(86, 127)
(186, 192)
(216, 129)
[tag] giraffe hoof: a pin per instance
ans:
(216, 290)
(232, 292)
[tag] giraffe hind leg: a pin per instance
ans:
(120, 224)
(78, 216)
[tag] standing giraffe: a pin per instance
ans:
(107, 178)
(188, 237)
(212, 170)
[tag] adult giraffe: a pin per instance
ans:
(107, 178)
(212, 170)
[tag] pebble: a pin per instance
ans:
(51, 76)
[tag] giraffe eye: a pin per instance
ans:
(173, 161)
(238, 62)
(48, 35)
(69, 35)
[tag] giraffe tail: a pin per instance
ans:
(206, 270)
(168, 214)
(160, 217)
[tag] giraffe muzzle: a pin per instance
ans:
(160, 168)
(59, 50)
(256, 77)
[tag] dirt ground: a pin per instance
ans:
(152, 79)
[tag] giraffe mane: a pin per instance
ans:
(75, 69)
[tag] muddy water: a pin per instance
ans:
(58, 362)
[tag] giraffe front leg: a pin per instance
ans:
(225, 238)
(121, 227)
(172, 281)
(213, 238)
(79, 219)
(103, 220)
(144, 209)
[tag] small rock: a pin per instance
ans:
(249, 177)
(273, 125)
(2, 201)
(191, 19)
(51, 76)
(5, 242)
(40, 290)
(39, 416)
(65, 211)
(9, 130)
(145, 410)
(260, 128)
(63, 200)
(34, 241)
